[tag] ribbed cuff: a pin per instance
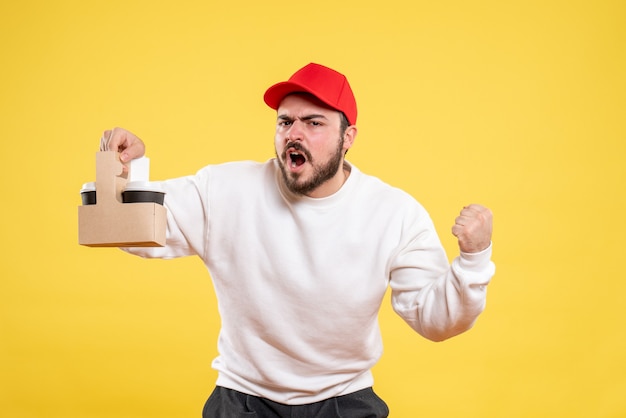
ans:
(476, 261)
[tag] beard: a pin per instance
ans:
(322, 172)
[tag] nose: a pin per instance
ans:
(295, 132)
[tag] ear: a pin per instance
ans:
(349, 136)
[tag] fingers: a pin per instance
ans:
(104, 140)
(470, 213)
(126, 143)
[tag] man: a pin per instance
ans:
(301, 249)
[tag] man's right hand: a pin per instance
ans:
(126, 143)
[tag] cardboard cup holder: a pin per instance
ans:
(119, 213)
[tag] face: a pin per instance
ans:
(309, 146)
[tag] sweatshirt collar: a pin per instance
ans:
(321, 202)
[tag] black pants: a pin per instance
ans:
(228, 403)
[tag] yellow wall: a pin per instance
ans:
(517, 105)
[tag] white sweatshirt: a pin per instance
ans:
(299, 281)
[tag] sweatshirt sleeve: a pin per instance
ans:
(437, 299)
(186, 201)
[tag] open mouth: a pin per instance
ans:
(296, 158)
(296, 155)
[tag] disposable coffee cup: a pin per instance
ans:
(143, 191)
(88, 193)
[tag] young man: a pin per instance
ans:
(301, 250)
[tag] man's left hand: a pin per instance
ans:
(473, 228)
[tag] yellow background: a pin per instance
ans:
(517, 105)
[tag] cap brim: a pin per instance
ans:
(276, 93)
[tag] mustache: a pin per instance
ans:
(298, 147)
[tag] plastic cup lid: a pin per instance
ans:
(146, 186)
(88, 187)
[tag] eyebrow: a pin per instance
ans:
(303, 118)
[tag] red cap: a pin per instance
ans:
(326, 84)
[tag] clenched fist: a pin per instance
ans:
(473, 228)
